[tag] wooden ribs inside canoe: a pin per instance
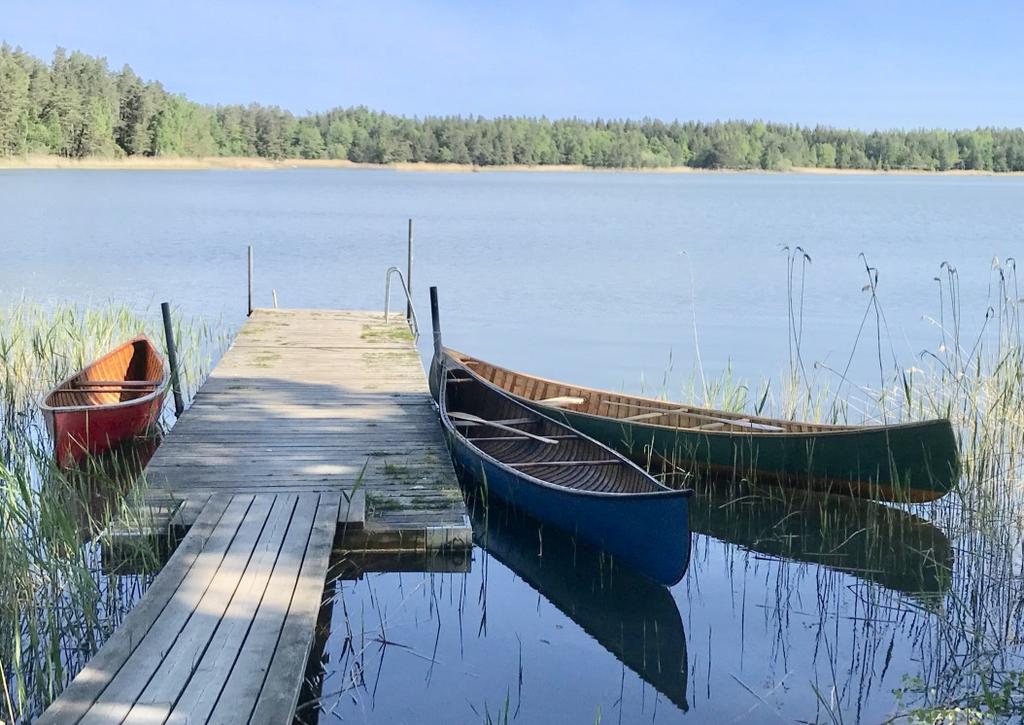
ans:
(570, 461)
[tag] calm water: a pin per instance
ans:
(549, 272)
(595, 278)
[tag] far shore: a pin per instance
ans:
(180, 163)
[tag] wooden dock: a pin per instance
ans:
(315, 429)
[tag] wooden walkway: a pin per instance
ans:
(318, 400)
(312, 419)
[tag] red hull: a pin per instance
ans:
(114, 399)
(96, 430)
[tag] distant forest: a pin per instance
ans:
(75, 106)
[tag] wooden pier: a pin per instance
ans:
(316, 429)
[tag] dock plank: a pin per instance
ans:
(277, 704)
(218, 615)
(204, 690)
(118, 697)
(80, 695)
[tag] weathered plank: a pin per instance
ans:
(119, 695)
(228, 599)
(80, 695)
(211, 673)
(295, 589)
(277, 704)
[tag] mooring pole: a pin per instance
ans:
(172, 358)
(408, 276)
(435, 321)
(249, 312)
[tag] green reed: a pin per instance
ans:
(59, 598)
(969, 648)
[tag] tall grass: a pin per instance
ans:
(58, 598)
(971, 650)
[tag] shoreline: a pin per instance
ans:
(172, 163)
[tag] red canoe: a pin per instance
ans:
(113, 399)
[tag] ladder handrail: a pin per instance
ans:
(413, 324)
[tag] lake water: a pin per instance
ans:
(596, 278)
(560, 274)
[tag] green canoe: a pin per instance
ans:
(903, 462)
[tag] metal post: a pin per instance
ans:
(274, 293)
(408, 276)
(435, 321)
(247, 314)
(172, 358)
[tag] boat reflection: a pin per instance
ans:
(631, 616)
(887, 546)
(101, 492)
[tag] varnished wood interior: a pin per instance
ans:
(134, 370)
(648, 411)
(572, 461)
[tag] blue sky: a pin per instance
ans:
(864, 65)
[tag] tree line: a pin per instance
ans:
(75, 106)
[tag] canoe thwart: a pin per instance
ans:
(563, 400)
(657, 413)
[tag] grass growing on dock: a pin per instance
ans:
(397, 331)
(61, 592)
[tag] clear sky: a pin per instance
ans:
(865, 65)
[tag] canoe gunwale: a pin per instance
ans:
(826, 429)
(159, 392)
(855, 430)
(662, 491)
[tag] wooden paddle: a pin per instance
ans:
(468, 418)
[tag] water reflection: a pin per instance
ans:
(628, 614)
(873, 542)
(102, 480)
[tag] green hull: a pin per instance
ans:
(907, 462)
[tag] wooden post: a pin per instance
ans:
(408, 276)
(172, 358)
(249, 312)
(435, 321)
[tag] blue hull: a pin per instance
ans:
(648, 532)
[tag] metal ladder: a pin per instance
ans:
(413, 324)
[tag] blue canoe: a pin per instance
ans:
(560, 476)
